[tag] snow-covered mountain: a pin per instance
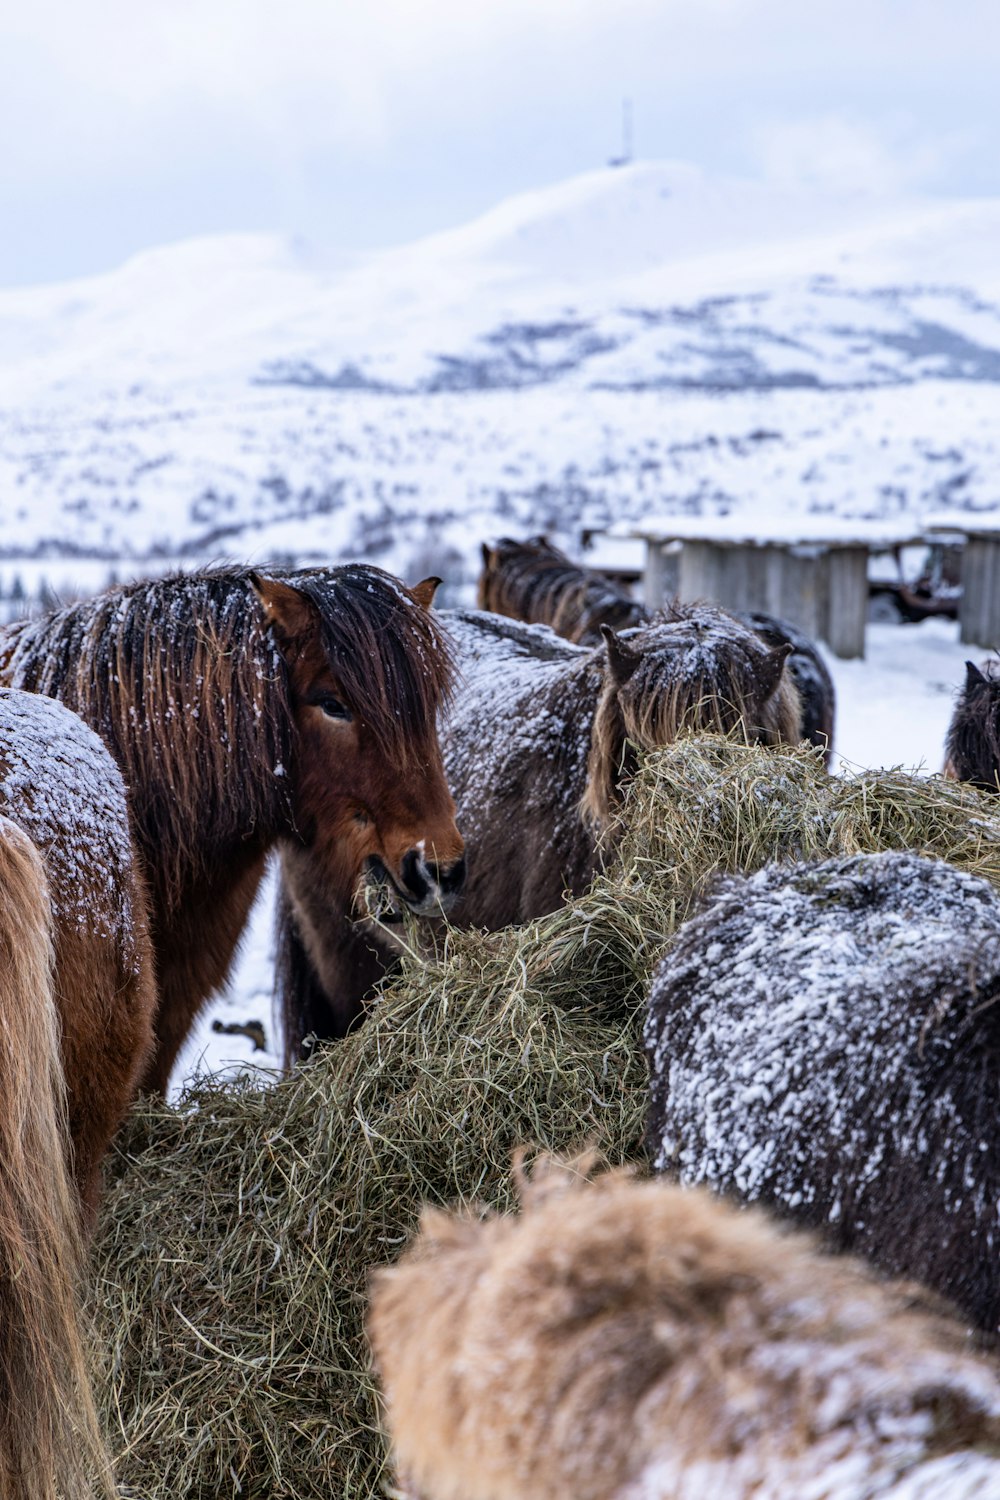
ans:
(635, 340)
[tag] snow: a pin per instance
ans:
(647, 341)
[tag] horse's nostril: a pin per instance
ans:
(413, 876)
(450, 878)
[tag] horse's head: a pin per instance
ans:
(367, 670)
(694, 669)
(973, 742)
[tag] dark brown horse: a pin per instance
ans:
(825, 1039)
(972, 746)
(535, 582)
(246, 711)
(77, 1000)
(537, 743)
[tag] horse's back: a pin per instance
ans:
(62, 788)
(825, 1039)
(515, 742)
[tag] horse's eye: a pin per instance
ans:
(333, 708)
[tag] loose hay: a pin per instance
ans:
(232, 1264)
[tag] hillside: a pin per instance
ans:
(631, 340)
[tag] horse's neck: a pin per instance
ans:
(517, 767)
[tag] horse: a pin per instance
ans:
(535, 582)
(825, 1039)
(972, 746)
(77, 1000)
(247, 711)
(633, 1340)
(537, 744)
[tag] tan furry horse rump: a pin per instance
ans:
(638, 1341)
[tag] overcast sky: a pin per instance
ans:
(131, 123)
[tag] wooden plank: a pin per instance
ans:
(980, 608)
(701, 572)
(798, 588)
(660, 580)
(847, 601)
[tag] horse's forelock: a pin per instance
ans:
(392, 660)
(699, 670)
(706, 670)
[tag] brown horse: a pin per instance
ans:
(246, 711)
(535, 582)
(972, 747)
(77, 1000)
(538, 741)
(638, 1341)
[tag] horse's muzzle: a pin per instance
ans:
(428, 887)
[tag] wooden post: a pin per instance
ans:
(659, 580)
(980, 609)
(797, 587)
(701, 573)
(847, 601)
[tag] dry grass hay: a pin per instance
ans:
(234, 1259)
(233, 1256)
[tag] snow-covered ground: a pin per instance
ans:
(892, 710)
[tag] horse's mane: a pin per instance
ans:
(973, 742)
(534, 581)
(184, 682)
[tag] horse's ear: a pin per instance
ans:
(288, 610)
(425, 590)
(771, 668)
(973, 676)
(487, 552)
(622, 660)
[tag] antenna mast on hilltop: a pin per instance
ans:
(626, 156)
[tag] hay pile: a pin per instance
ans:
(235, 1244)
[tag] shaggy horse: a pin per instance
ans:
(825, 1039)
(244, 711)
(972, 747)
(638, 1341)
(535, 582)
(540, 730)
(77, 1000)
